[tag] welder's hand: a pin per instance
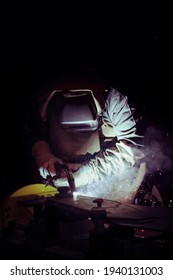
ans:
(46, 162)
(81, 177)
(60, 182)
(48, 168)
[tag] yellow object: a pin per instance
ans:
(35, 189)
(10, 210)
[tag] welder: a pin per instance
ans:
(82, 126)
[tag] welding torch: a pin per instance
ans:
(59, 167)
(70, 177)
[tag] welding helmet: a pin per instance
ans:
(73, 119)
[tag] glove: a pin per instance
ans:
(44, 158)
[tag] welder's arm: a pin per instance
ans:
(44, 158)
(113, 161)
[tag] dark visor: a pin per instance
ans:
(78, 111)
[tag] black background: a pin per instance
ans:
(130, 44)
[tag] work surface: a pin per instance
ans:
(74, 239)
(156, 218)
